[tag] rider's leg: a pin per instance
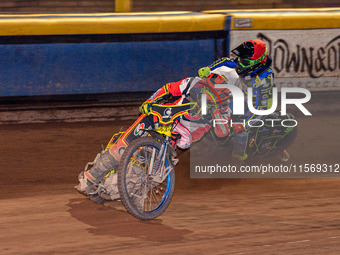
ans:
(185, 138)
(241, 129)
(192, 129)
(104, 164)
(109, 160)
(240, 146)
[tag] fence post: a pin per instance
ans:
(123, 5)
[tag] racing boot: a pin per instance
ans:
(240, 146)
(88, 180)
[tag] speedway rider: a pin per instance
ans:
(253, 65)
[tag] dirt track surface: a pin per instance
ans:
(41, 212)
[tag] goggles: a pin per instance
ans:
(246, 62)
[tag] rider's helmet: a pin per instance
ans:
(251, 55)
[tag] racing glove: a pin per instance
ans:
(145, 108)
(204, 72)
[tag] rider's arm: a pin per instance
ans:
(168, 91)
(171, 90)
(228, 62)
(160, 94)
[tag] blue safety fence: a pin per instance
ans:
(77, 54)
(80, 68)
(100, 53)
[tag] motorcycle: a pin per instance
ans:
(145, 179)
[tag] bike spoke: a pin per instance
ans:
(145, 194)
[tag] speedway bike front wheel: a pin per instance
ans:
(143, 194)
